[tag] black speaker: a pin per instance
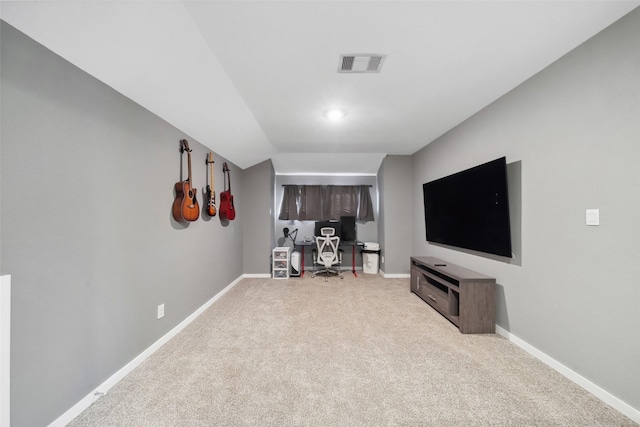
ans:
(348, 225)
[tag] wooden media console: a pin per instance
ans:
(466, 298)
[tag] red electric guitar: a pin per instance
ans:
(227, 210)
(185, 206)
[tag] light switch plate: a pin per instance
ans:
(593, 216)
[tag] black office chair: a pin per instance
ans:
(327, 254)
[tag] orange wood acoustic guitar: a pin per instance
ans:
(185, 206)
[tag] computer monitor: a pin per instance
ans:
(348, 225)
(333, 224)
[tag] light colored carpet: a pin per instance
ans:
(355, 352)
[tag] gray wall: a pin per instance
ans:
(574, 294)
(396, 213)
(87, 232)
(258, 217)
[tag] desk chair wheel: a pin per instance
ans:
(326, 277)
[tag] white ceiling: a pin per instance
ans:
(251, 79)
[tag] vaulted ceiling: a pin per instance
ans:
(252, 80)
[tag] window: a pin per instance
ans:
(324, 202)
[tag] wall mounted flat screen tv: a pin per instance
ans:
(470, 209)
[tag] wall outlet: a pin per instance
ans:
(160, 311)
(382, 259)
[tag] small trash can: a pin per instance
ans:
(295, 264)
(370, 258)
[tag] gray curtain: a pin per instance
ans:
(324, 202)
(289, 207)
(365, 207)
(311, 202)
(340, 200)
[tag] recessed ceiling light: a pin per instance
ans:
(335, 114)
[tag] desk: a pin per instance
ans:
(353, 245)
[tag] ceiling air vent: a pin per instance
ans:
(361, 63)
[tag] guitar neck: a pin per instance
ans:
(211, 169)
(185, 147)
(227, 176)
(189, 163)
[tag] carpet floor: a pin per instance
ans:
(360, 351)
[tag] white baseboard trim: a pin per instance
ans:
(5, 349)
(592, 388)
(103, 388)
(396, 276)
(256, 276)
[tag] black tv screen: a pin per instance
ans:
(470, 209)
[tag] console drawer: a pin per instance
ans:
(434, 296)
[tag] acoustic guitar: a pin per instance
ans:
(227, 210)
(185, 206)
(211, 193)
